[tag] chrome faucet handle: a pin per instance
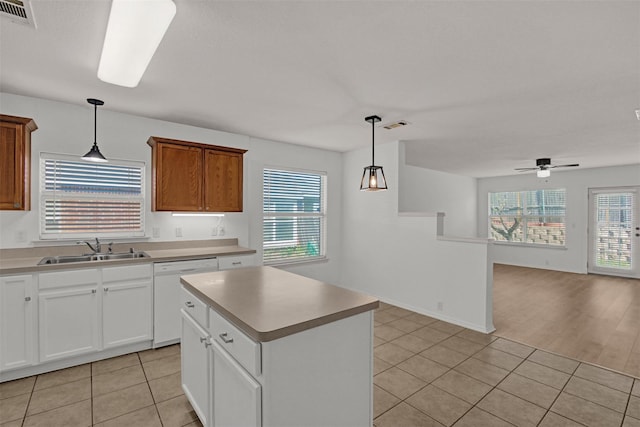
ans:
(98, 246)
(110, 250)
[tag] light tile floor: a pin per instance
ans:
(431, 373)
(426, 373)
(138, 389)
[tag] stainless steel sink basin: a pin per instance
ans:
(63, 259)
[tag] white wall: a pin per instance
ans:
(577, 183)
(400, 260)
(66, 128)
(425, 190)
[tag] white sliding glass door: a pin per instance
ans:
(614, 231)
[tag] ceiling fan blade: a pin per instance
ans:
(566, 166)
(525, 169)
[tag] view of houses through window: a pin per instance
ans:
(81, 199)
(535, 217)
(294, 205)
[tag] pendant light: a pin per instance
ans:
(373, 176)
(94, 155)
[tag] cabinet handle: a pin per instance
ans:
(203, 339)
(189, 304)
(207, 344)
(225, 339)
(27, 299)
(237, 263)
(106, 289)
(93, 291)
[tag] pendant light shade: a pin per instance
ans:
(373, 176)
(94, 155)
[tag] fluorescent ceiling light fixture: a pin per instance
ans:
(134, 31)
(543, 173)
(195, 214)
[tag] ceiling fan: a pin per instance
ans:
(542, 167)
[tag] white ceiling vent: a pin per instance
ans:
(17, 11)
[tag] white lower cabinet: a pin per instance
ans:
(196, 367)
(69, 316)
(317, 377)
(236, 395)
(83, 311)
(127, 310)
(18, 328)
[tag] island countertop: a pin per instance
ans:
(268, 303)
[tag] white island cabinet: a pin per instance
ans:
(279, 349)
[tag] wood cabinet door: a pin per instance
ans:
(12, 166)
(177, 178)
(222, 181)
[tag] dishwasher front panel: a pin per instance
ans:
(166, 297)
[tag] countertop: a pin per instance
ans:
(267, 303)
(157, 253)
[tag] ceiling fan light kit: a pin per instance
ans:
(373, 176)
(134, 32)
(543, 166)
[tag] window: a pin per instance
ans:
(536, 217)
(80, 199)
(293, 225)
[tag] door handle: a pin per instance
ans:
(189, 304)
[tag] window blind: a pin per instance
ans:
(614, 225)
(81, 199)
(294, 206)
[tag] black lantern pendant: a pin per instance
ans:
(94, 155)
(373, 176)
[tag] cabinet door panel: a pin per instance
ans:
(126, 311)
(69, 323)
(17, 327)
(236, 395)
(196, 366)
(223, 181)
(178, 178)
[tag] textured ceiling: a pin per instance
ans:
(487, 86)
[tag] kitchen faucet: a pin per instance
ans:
(98, 247)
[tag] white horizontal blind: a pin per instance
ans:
(535, 217)
(614, 225)
(83, 199)
(294, 206)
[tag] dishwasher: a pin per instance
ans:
(166, 296)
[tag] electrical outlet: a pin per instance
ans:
(156, 232)
(221, 231)
(440, 304)
(178, 231)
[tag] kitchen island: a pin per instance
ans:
(265, 347)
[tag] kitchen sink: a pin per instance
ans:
(63, 259)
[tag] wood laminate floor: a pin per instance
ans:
(590, 318)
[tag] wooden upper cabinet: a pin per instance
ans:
(194, 177)
(15, 162)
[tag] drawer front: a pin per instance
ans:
(61, 279)
(195, 307)
(236, 261)
(126, 273)
(242, 348)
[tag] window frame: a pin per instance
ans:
(321, 215)
(527, 219)
(51, 196)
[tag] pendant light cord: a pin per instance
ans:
(373, 163)
(95, 124)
